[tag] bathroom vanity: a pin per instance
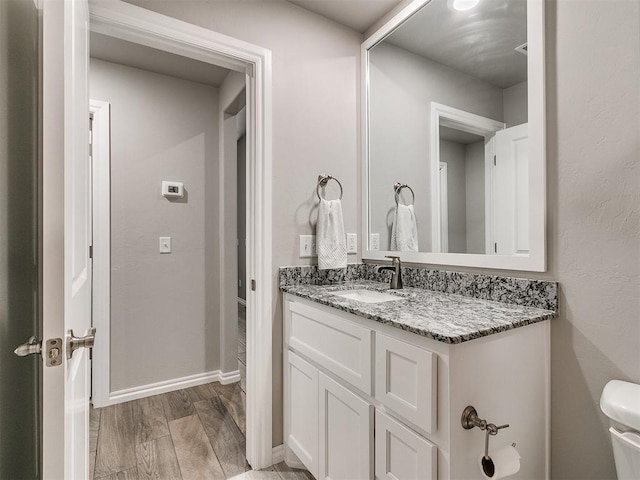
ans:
(375, 381)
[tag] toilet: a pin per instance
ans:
(620, 401)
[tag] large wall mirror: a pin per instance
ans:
(454, 140)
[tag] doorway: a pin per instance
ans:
(124, 22)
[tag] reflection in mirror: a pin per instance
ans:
(447, 111)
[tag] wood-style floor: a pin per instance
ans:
(195, 433)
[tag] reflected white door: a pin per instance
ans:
(511, 191)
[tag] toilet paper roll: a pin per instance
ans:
(505, 461)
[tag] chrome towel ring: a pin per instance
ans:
(397, 188)
(323, 179)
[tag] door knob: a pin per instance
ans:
(74, 343)
(31, 347)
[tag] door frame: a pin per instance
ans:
(101, 206)
(132, 23)
(461, 120)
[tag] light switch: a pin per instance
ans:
(352, 243)
(165, 244)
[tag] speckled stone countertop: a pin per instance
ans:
(445, 317)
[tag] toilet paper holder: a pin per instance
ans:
(469, 420)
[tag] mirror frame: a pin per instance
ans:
(536, 260)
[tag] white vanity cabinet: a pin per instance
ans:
(366, 400)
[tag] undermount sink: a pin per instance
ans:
(367, 296)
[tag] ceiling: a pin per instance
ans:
(479, 42)
(119, 51)
(356, 14)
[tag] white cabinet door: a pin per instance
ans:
(346, 433)
(402, 454)
(302, 412)
(406, 381)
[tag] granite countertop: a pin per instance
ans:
(445, 317)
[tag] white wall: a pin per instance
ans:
(475, 196)
(593, 158)
(162, 128)
(516, 109)
(452, 154)
(403, 85)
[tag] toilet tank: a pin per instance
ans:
(620, 401)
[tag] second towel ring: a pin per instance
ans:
(323, 179)
(397, 188)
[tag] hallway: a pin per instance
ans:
(194, 433)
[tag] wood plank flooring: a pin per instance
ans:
(194, 433)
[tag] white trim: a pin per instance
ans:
(101, 298)
(143, 391)
(242, 301)
(536, 260)
(277, 454)
(129, 22)
(460, 120)
(443, 178)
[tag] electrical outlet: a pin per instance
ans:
(352, 243)
(307, 246)
(374, 241)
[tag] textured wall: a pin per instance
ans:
(593, 115)
(162, 128)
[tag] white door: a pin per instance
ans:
(511, 191)
(346, 428)
(66, 395)
(302, 411)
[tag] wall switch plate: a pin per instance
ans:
(307, 246)
(374, 241)
(352, 243)
(165, 244)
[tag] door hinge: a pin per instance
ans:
(494, 160)
(253, 285)
(495, 248)
(90, 251)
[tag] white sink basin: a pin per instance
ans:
(367, 296)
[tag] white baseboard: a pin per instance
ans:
(165, 386)
(241, 301)
(278, 453)
(229, 377)
(291, 459)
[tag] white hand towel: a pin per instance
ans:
(404, 232)
(330, 238)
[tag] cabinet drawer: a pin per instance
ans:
(402, 454)
(340, 346)
(406, 381)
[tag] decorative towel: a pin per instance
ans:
(404, 232)
(330, 238)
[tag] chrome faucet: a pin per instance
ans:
(396, 269)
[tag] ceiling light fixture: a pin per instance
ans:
(462, 5)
